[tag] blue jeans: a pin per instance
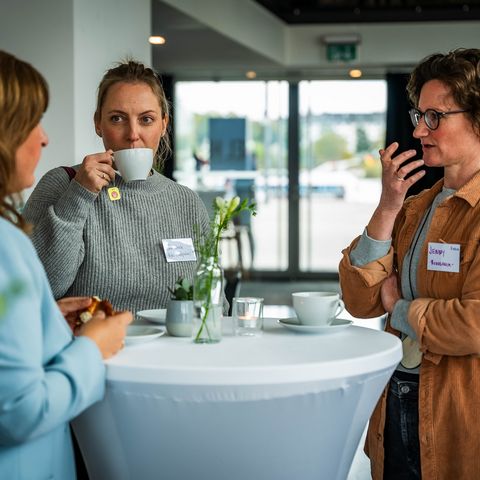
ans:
(401, 444)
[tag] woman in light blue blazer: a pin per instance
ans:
(47, 376)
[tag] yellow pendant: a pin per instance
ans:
(114, 194)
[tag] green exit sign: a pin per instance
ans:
(341, 52)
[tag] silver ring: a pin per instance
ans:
(400, 178)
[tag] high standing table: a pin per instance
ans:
(281, 406)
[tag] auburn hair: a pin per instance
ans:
(23, 100)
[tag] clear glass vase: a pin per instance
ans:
(208, 301)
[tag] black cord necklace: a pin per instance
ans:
(414, 246)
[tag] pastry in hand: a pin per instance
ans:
(97, 305)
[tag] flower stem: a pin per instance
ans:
(224, 211)
(208, 287)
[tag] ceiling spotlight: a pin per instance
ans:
(355, 73)
(156, 40)
(251, 74)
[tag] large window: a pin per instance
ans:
(342, 128)
(231, 138)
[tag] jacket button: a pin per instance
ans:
(404, 388)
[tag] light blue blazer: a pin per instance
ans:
(47, 377)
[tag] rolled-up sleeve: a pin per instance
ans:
(361, 285)
(368, 250)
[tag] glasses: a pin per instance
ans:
(431, 116)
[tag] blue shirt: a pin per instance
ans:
(47, 377)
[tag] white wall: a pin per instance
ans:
(389, 46)
(41, 33)
(244, 21)
(105, 32)
(72, 43)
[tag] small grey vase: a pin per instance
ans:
(179, 321)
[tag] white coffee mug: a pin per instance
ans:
(317, 308)
(134, 163)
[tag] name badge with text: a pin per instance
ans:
(443, 257)
(179, 250)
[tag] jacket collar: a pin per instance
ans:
(470, 192)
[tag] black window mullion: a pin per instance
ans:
(293, 180)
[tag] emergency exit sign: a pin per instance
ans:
(341, 52)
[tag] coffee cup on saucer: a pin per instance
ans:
(317, 308)
(134, 163)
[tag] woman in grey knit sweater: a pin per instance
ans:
(92, 243)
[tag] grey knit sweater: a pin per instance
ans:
(90, 245)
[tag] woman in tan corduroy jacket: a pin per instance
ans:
(418, 260)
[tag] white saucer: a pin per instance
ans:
(293, 324)
(142, 333)
(156, 316)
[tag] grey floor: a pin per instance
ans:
(278, 303)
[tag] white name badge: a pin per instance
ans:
(179, 250)
(443, 257)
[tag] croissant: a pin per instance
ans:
(97, 305)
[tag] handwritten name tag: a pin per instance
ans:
(179, 250)
(443, 257)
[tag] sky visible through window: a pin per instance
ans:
(248, 98)
(344, 96)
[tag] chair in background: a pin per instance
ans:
(237, 258)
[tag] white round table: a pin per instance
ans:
(280, 406)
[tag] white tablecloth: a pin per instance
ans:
(281, 406)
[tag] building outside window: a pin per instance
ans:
(231, 138)
(342, 129)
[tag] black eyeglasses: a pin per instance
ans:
(431, 116)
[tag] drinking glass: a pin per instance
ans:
(247, 314)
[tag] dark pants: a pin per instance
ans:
(402, 447)
(80, 467)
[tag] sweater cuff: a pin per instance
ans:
(75, 203)
(399, 319)
(368, 249)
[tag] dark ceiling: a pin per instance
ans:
(360, 11)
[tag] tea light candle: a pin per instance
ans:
(247, 315)
(248, 320)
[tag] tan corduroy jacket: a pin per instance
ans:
(446, 319)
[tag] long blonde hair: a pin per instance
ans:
(23, 100)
